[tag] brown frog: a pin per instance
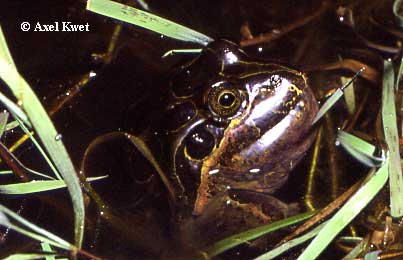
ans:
(233, 129)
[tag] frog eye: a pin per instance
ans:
(224, 101)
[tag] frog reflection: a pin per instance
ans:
(233, 129)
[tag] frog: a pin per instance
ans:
(232, 130)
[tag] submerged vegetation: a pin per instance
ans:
(350, 205)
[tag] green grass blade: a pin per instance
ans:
(11, 125)
(356, 250)
(146, 20)
(251, 234)
(372, 255)
(176, 51)
(359, 149)
(358, 144)
(290, 244)
(11, 106)
(3, 122)
(143, 5)
(391, 137)
(4, 221)
(347, 213)
(398, 16)
(39, 237)
(37, 173)
(42, 152)
(350, 239)
(328, 104)
(6, 172)
(349, 95)
(30, 256)
(334, 98)
(37, 186)
(4, 51)
(50, 138)
(364, 159)
(399, 74)
(40, 234)
(46, 248)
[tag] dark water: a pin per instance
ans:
(130, 87)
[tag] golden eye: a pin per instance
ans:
(224, 101)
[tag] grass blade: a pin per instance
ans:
(349, 95)
(328, 104)
(143, 5)
(347, 213)
(3, 122)
(40, 234)
(335, 97)
(176, 51)
(398, 16)
(359, 149)
(358, 144)
(251, 234)
(39, 237)
(356, 250)
(50, 138)
(11, 106)
(46, 248)
(391, 137)
(372, 255)
(399, 74)
(290, 244)
(11, 125)
(146, 20)
(4, 51)
(364, 159)
(29, 256)
(37, 186)
(42, 152)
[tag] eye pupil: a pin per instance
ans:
(226, 99)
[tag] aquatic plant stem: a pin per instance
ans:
(389, 122)
(13, 163)
(312, 169)
(332, 156)
(271, 36)
(353, 119)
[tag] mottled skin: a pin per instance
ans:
(237, 128)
